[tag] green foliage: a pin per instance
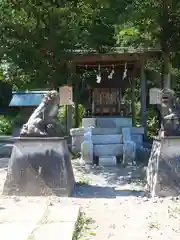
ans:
(62, 115)
(155, 23)
(82, 226)
(152, 123)
(5, 126)
(35, 36)
(5, 94)
(22, 117)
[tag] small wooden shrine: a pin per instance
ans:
(114, 74)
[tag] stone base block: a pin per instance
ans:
(108, 161)
(39, 166)
(163, 171)
(87, 152)
(129, 152)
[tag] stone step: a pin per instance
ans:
(107, 122)
(108, 161)
(107, 131)
(108, 150)
(108, 139)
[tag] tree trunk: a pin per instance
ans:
(167, 70)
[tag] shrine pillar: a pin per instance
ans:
(143, 98)
(69, 112)
(133, 96)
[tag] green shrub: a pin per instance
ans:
(62, 115)
(5, 126)
(21, 118)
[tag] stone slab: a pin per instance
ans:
(60, 213)
(107, 122)
(19, 217)
(54, 231)
(59, 223)
(33, 218)
(107, 150)
(22, 210)
(108, 161)
(12, 231)
(106, 131)
(108, 139)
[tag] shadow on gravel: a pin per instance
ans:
(90, 191)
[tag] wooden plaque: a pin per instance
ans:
(155, 96)
(65, 95)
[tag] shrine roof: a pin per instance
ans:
(26, 99)
(115, 55)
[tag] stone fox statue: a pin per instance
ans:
(43, 120)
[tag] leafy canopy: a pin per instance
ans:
(35, 35)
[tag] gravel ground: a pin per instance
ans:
(114, 198)
(117, 202)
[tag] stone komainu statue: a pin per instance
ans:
(170, 114)
(43, 120)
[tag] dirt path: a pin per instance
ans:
(116, 201)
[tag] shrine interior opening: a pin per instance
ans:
(105, 92)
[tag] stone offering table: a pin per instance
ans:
(39, 166)
(109, 139)
(163, 172)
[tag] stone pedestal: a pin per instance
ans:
(39, 166)
(87, 152)
(77, 139)
(163, 172)
(129, 147)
